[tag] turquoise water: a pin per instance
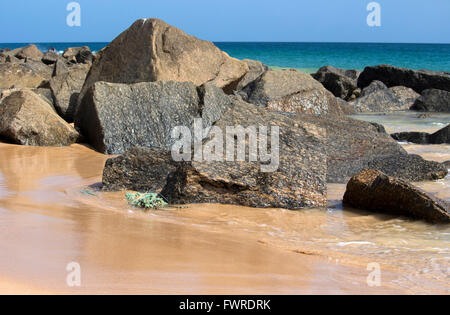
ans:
(311, 56)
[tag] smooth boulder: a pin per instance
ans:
(152, 50)
(375, 191)
(433, 100)
(418, 80)
(27, 119)
(342, 83)
(115, 117)
(294, 92)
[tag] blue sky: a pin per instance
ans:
(416, 21)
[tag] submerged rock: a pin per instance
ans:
(13, 75)
(66, 86)
(152, 50)
(298, 182)
(418, 80)
(433, 100)
(342, 83)
(439, 137)
(115, 117)
(294, 92)
(375, 191)
(25, 118)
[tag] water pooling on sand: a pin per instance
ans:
(49, 217)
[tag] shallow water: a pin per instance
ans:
(50, 216)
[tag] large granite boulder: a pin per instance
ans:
(25, 118)
(406, 95)
(66, 86)
(375, 191)
(40, 68)
(115, 117)
(19, 76)
(439, 137)
(418, 80)
(298, 182)
(294, 92)
(353, 145)
(342, 83)
(433, 100)
(378, 98)
(151, 50)
(256, 69)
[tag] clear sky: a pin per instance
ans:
(414, 21)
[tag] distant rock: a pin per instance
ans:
(340, 82)
(377, 97)
(440, 137)
(375, 191)
(256, 70)
(66, 87)
(294, 92)
(433, 100)
(418, 80)
(50, 58)
(374, 86)
(151, 50)
(19, 76)
(29, 52)
(353, 145)
(116, 117)
(78, 55)
(299, 182)
(25, 118)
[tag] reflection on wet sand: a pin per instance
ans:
(47, 221)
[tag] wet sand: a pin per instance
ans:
(49, 217)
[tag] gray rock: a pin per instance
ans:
(405, 95)
(117, 117)
(433, 101)
(294, 92)
(25, 118)
(151, 50)
(375, 191)
(378, 99)
(340, 82)
(353, 145)
(299, 182)
(439, 137)
(373, 87)
(66, 87)
(418, 80)
(256, 70)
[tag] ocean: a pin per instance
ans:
(308, 57)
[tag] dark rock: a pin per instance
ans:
(433, 101)
(78, 55)
(340, 82)
(50, 58)
(256, 70)
(440, 137)
(418, 80)
(139, 169)
(117, 117)
(294, 92)
(447, 164)
(19, 76)
(299, 181)
(151, 50)
(375, 191)
(25, 118)
(353, 145)
(374, 86)
(66, 87)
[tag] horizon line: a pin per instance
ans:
(243, 42)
